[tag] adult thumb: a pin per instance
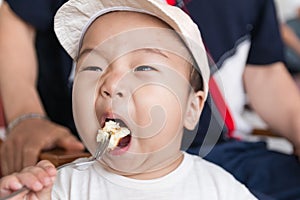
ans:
(70, 142)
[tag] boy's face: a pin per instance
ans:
(133, 71)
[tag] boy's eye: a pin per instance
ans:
(92, 68)
(144, 68)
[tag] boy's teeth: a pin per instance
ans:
(120, 122)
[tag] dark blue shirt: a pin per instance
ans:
(224, 24)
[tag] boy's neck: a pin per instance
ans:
(159, 172)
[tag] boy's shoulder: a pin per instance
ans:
(216, 178)
(208, 169)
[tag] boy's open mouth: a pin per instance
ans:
(120, 134)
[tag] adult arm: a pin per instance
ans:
(18, 74)
(274, 95)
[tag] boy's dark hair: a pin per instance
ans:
(196, 80)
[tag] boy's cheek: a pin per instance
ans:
(161, 123)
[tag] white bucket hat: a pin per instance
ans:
(75, 16)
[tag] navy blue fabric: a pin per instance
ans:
(54, 63)
(223, 23)
(268, 172)
(37, 13)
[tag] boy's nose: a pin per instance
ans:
(113, 86)
(112, 93)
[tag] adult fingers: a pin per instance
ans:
(30, 154)
(70, 142)
(10, 156)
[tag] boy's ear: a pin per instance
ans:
(194, 109)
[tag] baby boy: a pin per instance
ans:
(142, 65)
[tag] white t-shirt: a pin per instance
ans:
(287, 9)
(194, 179)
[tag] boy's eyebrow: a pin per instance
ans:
(85, 51)
(147, 50)
(154, 50)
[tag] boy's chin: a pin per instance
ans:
(138, 165)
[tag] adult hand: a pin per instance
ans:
(26, 140)
(39, 179)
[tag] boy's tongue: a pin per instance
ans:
(124, 141)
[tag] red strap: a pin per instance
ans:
(222, 106)
(180, 4)
(172, 2)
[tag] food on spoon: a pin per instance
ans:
(117, 133)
